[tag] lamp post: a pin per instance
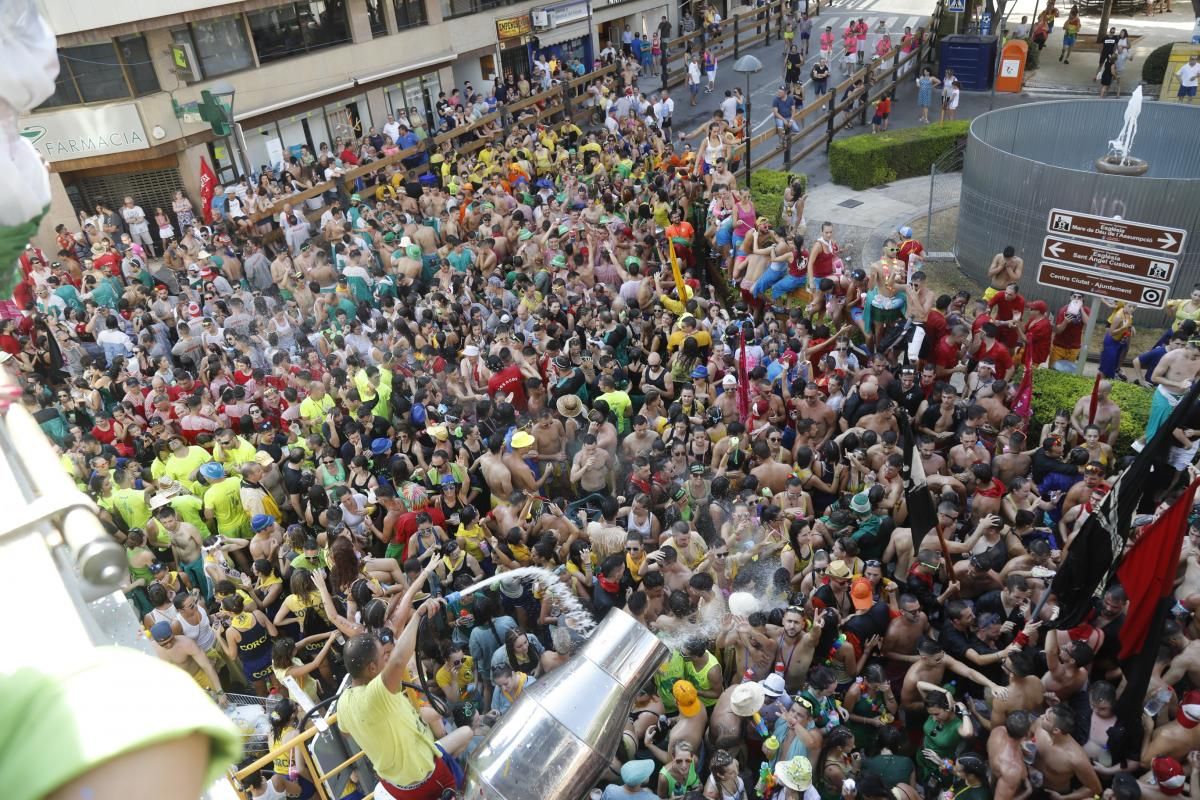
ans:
(748, 65)
(223, 92)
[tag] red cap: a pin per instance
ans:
(1168, 774)
(1189, 709)
(1039, 305)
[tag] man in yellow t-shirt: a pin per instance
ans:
(223, 502)
(184, 462)
(384, 722)
(314, 407)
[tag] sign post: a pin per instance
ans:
(1109, 258)
(956, 7)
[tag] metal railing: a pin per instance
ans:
(300, 740)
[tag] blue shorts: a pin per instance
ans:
(724, 237)
(1187, 91)
(737, 244)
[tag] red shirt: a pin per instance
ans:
(910, 247)
(109, 260)
(999, 355)
(506, 381)
(935, 326)
(1071, 336)
(1038, 333)
(406, 526)
(946, 353)
(1005, 308)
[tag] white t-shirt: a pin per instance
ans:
(663, 110)
(729, 108)
(135, 218)
(392, 129)
(1188, 74)
(693, 72)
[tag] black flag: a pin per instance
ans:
(1093, 554)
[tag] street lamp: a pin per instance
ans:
(223, 92)
(748, 65)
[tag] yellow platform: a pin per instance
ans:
(1179, 56)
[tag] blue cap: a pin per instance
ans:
(636, 773)
(213, 471)
(260, 521)
(380, 446)
(700, 372)
(161, 631)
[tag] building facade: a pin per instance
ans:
(124, 119)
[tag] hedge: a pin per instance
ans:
(1054, 390)
(1154, 68)
(873, 159)
(766, 189)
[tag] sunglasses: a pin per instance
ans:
(633, 549)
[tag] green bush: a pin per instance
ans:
(873, 159)
(1054, 390)
(766, 189)
(1032, 57)
(1154, 68)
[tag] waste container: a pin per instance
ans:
(1012, 66)
(973, 59)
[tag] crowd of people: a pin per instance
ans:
(590, 352)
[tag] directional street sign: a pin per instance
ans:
(1076, 280)
(957, 6)
(1123, 233)
(1117, 262)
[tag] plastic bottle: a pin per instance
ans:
(764, 775)
(1157, 701)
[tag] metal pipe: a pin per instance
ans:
(562, 733)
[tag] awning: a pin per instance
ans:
(563, 33)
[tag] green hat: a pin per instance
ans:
(357, 197)
(389, 237)
(563, 230)
(525, 235)
(559, 260)
(632, 260)
(413, 251)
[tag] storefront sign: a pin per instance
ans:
(512, 27)
(563, 13)
(86, 132)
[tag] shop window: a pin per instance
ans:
(276, 33)
(410, 13)
(461, 8)
(135, 55)
(104, 71)
(297, 28)
(375, 15)
(97, 72)
(221, 45)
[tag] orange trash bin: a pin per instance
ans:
(1012, 66)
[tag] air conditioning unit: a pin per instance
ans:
(541, 19)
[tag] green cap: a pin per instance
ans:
(632, 260)
(559, 260)
(356, 197)
(389, 237)
(525, 235)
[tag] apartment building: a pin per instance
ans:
(124, 119)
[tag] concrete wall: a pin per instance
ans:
(1014, 174)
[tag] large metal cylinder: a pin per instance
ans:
(557, 739)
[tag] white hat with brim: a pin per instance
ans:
(746, 699)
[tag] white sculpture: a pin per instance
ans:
(1122, 146)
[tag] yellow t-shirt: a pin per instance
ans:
(389, 730)
(471, 537)
(466, 676)
(225, 500)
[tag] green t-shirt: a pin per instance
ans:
(71, 714)
(225, 500)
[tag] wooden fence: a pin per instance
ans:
(570, 100)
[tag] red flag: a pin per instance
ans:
(1023, 404)
(743, 387)
(1095, 400)
(208, 187)
(1149, 568)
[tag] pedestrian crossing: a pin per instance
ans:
(837, 18)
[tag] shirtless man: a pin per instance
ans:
(264, 543)
(1006, 267)
(993, 400)
(1025, 690)
(1062, 760)
(930, 667)
(406, 261)
(814, 408)
(1005, 756)
(496, 473)
(770, 473)
(1108, 414)
(1068, 666)
(593, 469)
(186, 542)
(903, 634)
(1012, 463)
(793, 646)
(920, 303)
(1173, 739)
(884, 418)
(640, 442)
(551, 439)
(753, 647)
(1173, 376)
(185, 654)
(888, 276)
